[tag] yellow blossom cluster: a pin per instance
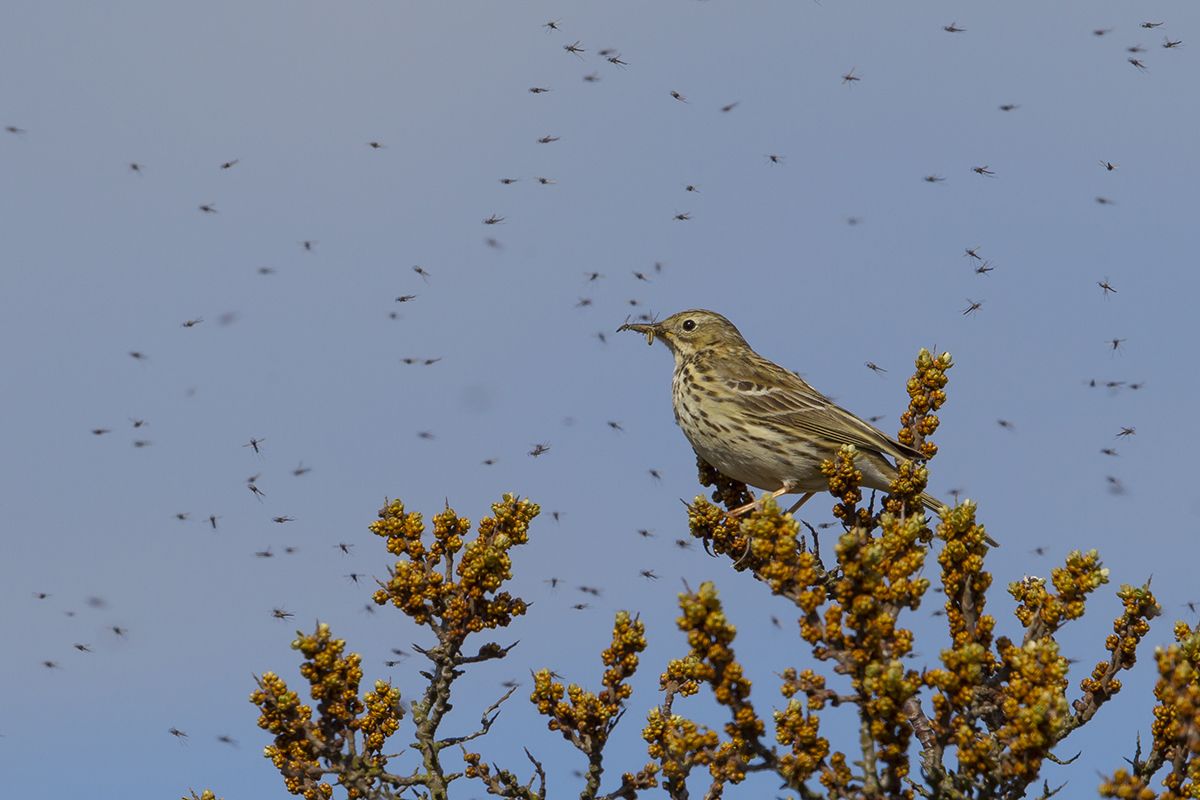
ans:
(970, 663)
(677, 744)
(765, 542)
(423, 586)
(963, 578)
(452, 586)
(586, 718)
(583, 716)
(717, 530)
(1128, 631)
(710, 636)
(1032, 692)
(799, 730)
(1176, 725)
(382, 719)
(710, 661)
(293, 754)
(778, 555)
(727, 491)
(880, 578)
(1034, 704)
(762, 541)
(1126, 786)
(1043, 612)
(906, 489)
(926, 390)
(844, 479)
(333, 678)
(301, 742)
(629, 639)
(476, 768)
(838, 779)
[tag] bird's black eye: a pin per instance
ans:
(689, 325)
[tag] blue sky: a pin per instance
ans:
(299, 347)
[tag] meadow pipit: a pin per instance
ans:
(759, 423)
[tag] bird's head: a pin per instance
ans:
(689, 332)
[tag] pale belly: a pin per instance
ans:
(760, 456)
(749, 453)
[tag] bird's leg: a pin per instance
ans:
(808, 496)
(787, 488)
(784, 490)
(737, 512)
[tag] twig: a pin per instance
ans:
(485, 723)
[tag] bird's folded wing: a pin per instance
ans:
(783, 399)
(837, 425)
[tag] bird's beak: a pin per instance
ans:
(650, 330)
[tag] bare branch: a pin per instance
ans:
(485, 723)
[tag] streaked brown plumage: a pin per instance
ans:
(759, 423)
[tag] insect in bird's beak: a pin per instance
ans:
(649, 330)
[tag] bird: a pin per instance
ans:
(759, 423)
